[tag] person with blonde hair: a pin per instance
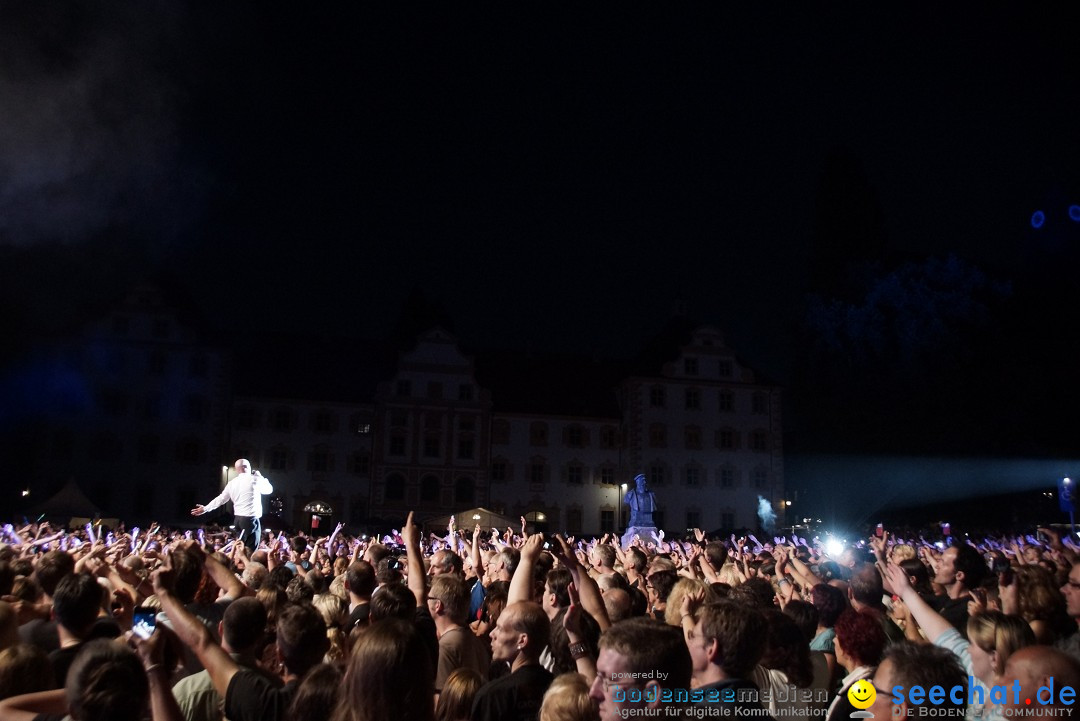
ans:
(567, 699)
(335, 613)
(685, 587)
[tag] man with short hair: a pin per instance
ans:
(865, 591)
(446, 561)
(51, 568)
(640, 661)
(241, 630)
(960, 569)
(518, 638)
(726, 640)
(1035, 667)
(77, 605)
(360, 584)
(459, 647)
(908, 664)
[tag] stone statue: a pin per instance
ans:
(642, 504)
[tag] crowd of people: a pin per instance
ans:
(498, 625)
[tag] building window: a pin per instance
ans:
(399, 419)
(397, 444)
(433, 421)
(360, 423)
(727, 521)
(403, 389)
(690, 366)
(319, 460)
(464, 491)
(434, 390)
(759, 441)
(465, 393)
(607, 521)
(573, 521)
(500, 432)
(657, 475)
(761, 478)
(360, 464)
(693, 399)
(498, 471)
(693, 438)
(693, 476)
(431, 447)
(759, 403)
(727, 401)
(467, 423)
(575, 436)
(325, 422)
(727, 477)
(727, 439)
(537, 473)
(607, 475)
(607, 437)
(726, 368)
(657, 397)
(282, 420)
(429, 489)
(575, 475)
(466, 448)
(395, 487)
(693, 519)
(279, 459)
(658, 435)
(538, 434)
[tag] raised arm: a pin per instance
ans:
(417, 578)
(932, 623)
(192, 632)
(589, 592)
(521, 585)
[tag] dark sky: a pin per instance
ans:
(556, 179)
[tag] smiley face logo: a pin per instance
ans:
(862, 694)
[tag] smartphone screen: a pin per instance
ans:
(880, 530)
(145, 621)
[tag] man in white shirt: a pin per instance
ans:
(245, 491)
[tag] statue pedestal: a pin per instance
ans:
(645, 532)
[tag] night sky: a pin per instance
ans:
(563, 181)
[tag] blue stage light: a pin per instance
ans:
(1074, 213)
(1037, 219)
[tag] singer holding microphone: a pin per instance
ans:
(245, 491)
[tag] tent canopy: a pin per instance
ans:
(69, 502)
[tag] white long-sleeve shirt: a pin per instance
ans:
(246, 492)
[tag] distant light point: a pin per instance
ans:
(1074, 213)
(1037, 219)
